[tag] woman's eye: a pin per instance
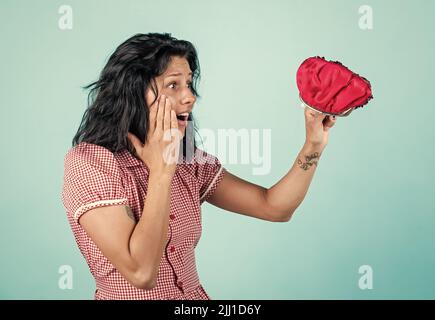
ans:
(173, 84)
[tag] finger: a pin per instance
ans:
(329, 122)
(312, 114)
(137, 144)
(320, 118)
(167, 117)
(152, 117)
(175, 132)
(160, 114)
(174, 122)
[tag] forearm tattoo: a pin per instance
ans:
(130, 214)
(309, 161)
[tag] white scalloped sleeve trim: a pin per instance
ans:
(212, 183)
(97, 204)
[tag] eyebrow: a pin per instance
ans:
(177, 74)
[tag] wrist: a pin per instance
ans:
(313, 147)
(309, 156)
(160, 176)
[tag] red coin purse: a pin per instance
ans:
(331, 88)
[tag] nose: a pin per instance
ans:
(188, 98)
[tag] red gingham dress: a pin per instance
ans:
(95, 177)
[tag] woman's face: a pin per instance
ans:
(175, 84)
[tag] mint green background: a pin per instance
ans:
(370, 202)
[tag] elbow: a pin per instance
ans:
(280, 214)
(142, 280)
(282, 217)
(146, 284)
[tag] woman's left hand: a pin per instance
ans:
(317, 127)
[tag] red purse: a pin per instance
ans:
(331, 88)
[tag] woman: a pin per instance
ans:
(134, 179)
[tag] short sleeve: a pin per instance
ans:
(91, 179)
(209, 173)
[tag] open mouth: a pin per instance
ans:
(182, 119)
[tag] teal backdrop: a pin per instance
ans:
(371, 201)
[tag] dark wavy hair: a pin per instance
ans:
(116, 102)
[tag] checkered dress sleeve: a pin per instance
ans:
(91, 179)
(209, 173)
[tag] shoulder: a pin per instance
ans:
(199, 161)
(206, 168)
(91, 179)
(202, 157)
(86, 156)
